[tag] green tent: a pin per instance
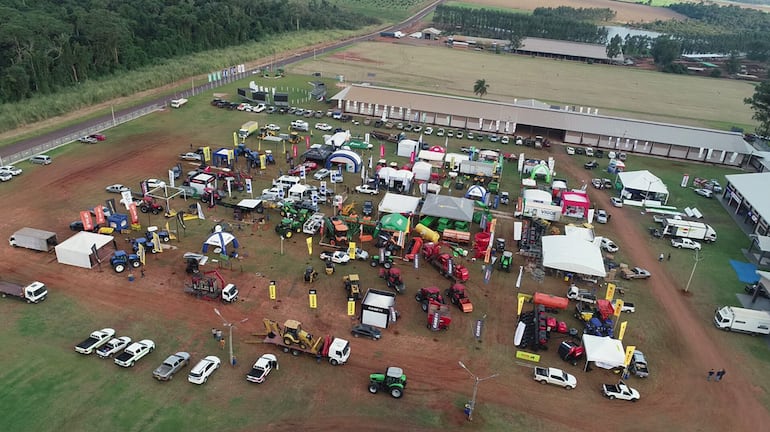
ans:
(395, 222)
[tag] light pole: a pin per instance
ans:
(476, 381)
(230, 327)
(694, 266)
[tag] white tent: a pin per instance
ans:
(77, 250)
(395, 203)
(437, 158)
(642, 183)
(220, 239)
(454, 160)
(450, 207)
(572, 254)
(586, 234)
(406, 147)
(605, 352)
(338, 139)
(537, 195)
(422, 170)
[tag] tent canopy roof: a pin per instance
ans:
(249, 203)
(430, 155)
(454, 208)
(604, 350)
(537, 195)
(395, 203)
(572, 254)
(82, 242)
(643, 181)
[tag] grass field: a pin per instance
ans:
(614, 90)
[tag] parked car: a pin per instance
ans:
(5, 176)
(171, 365)
(11, 170)
(408, 127)
(337, 257)
(570, 150)
(116, 188)
(87, 140)
(704, 193)
(505, 139)
(616, 202)
(191, 156)
(580, 151)
(636, 273)
(609, 245)
(440, 132)
(323, 126)
(262, 368)
(321, 174)
(41, 159)
(155, 183)
(367, 331)
(367, 189)
(602, 217)
(591, 164)
(685, 243)
(309, 166)
(273, 127)
(98, 137)
(622, 156)
(271, 109)
(597, 183)
(620, 391)
(200, 373)
(556, 377)
(417, 129)
(428, 130)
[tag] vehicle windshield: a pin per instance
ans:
(38, 292)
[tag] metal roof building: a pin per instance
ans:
(747, 193)
(566, 49)
(570, 125)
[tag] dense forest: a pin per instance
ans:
(562, 23)
(712, 28)
(46, 45)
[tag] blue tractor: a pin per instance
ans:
(121, 260)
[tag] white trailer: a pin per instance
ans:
(35, 239)
(689, 229)
(752, 321)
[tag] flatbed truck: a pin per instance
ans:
(32, 293)
(292, 339)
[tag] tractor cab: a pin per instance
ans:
(310, 274)
(504, 198)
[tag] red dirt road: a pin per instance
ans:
(677, 397)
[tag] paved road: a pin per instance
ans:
(163, 100)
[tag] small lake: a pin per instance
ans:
(623, 31)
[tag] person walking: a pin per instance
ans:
(669, 256)
(711, 375)
(219, 335)
(213, 332)
(222, 343)
(660, 257)
(720, 374)
(142, 271)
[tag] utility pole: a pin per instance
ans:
(476, 380)
(694, 266)
(229, 325)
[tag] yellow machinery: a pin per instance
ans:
(292, 333)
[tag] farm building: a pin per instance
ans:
(566, 50)
(571, 125)
(747, 194)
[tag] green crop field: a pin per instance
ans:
(614, 90)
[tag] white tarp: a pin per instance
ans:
(572, 254)
(454, 160)
(433, 156)
(395, 203)
(422, 170)
(644, 181)
(406, 147)
(76, 250)
(606, 352)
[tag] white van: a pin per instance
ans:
(589, 151)
(300, 125)
(286, 181)
(41, 159)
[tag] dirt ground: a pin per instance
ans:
(625, 12)
(676, 398)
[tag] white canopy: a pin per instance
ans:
(431, 155)
(395, 203)
(422, 170)
(537, 195)
(77, 250)
(572, 254)
(406, 147)
(586, 234)
(606, 352)
(643, 181)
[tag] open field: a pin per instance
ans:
(619, 91)
(46, 371)
(626, 12)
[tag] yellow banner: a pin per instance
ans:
(262, 162)
(528, 356)
(610, 291)
(309, 242)
(352, 250)
(140, 251)
(622, 331)
(313, 298)
(522, 299)
(271, 290)
(351, 307)
(207, 154)
(259, 146)
(629, 353)
(618, 307)
(156, 246)
(235, 139)
(230, 156)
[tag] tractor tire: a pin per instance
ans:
(373, 388)
(144, 209)
(287, 341)
(302, 345)
(373, 263)
(136, 264)
(298, 229)
(288, 234)
(396, 392)
(155, 211)
(165, 239)
(424, 306)
(285, 349)
(295, 352)
(387, 265)
(334, 362)
(119, 268)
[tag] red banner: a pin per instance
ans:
(382, 150)
(99, 211)
(88, 224)
(294, 150)
(411, 158)
(307, 141)
(133, 213)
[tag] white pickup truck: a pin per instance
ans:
(95, 340)
(113, 347)
(134, 352)
(620, 391)
(574, 293)
(556, 377)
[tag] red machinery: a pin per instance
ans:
(393, 279)
(431, 252)
(425, 295)
(457, 295)
(438, 316)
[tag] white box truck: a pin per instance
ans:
(177, 103)
(689, 229)
(32, 293)
(35, 239)
(752, 321)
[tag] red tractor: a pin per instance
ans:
(149, 205)
(426, 295)
(456, 294)
(438, 315)
(431, 252)
(393, 279)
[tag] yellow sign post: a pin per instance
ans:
(352, 250)
(622, 331)
(313, 298)
(610, 291)
(528, 356)
(271, 290)
(522, 298)
(629, 353)
(351, 306)
(309, 242)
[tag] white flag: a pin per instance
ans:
(200, 212)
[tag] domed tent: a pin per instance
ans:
(541, 170)
(476, 192)
(220, 239)
(350, 159)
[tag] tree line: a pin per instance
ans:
(562, 23)
(47, 45)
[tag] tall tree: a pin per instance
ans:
(615, 47)
(665, 50)
(480, 87)
(760, 104)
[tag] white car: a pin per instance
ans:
(201, 372)
(570, 150)
(191, 156)
(259, 108)
(616, 202)
(262, 368)
(440, 132)
(323, 126)
(609, 245)
(337, 257)
(704, 193)
(428, 130)
(685, 243)
(5, 176)
(556, 377)
(321, 174)
(601, 217)
(597, 183)
(116, 188)
(155, 183)
(366, 189)
(11, 169)
(273, 127)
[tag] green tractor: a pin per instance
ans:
(393, 381)
(287, 227)
(506, 261)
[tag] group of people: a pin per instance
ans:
(718, 375)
